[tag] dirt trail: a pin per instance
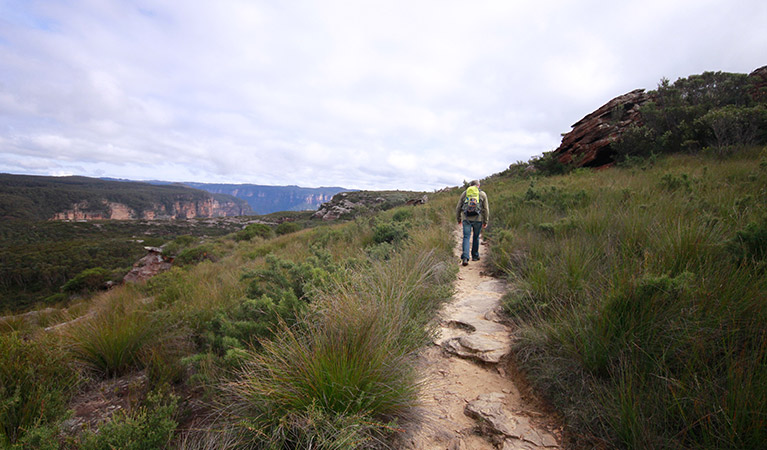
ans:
(469, 402)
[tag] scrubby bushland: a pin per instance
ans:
(38, 258)
(202, 328)
(35, 384)
(640, 296)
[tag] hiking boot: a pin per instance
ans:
(475, 258)
(465, 261)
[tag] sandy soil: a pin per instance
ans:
(465, 376)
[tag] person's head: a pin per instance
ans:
(474, 183)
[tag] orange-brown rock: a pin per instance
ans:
(588, 144)
(758, 81)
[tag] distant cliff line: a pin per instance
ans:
(29, 197)
(265, 199)
(179, 209)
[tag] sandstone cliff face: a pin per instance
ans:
(107, 210)
(177, 210)
(588, 144)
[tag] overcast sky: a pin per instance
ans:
(391, 94)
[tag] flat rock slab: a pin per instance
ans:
(490, 411)
(480, 322)
(473, 330)
(497, 286)
(479, 304)
(484, 347)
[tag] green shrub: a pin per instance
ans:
(391, 232)
(381, 252)
(56, 298)
(402, 215)
(548, 164)
(750, 243)
(87, 281)
(196, 255)
(281, 275)
(35, 384)
(671, 182)
(636, 318)
(250, 320)
(635, 144)
(519, 169)
(41, 437)
(148, 428)
(173, 247)
(279, 292)
(287, 228)
(254, 230)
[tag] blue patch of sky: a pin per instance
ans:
(153, 15)
(21, 13)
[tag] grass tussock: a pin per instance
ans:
(113, 339)
(346, 376)
(640, 295)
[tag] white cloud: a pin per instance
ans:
(379, 94)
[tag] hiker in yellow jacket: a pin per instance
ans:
(473, 211)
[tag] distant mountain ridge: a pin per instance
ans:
(81, 198)
(268, 199)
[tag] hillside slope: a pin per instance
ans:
(641, 297)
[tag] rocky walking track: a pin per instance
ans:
(469, 401)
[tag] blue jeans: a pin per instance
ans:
(471, 229)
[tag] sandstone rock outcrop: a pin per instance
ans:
(758, 80)
(349, 204)
(588, 144)
(152, 264)
(338, 207)
(418, 201)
